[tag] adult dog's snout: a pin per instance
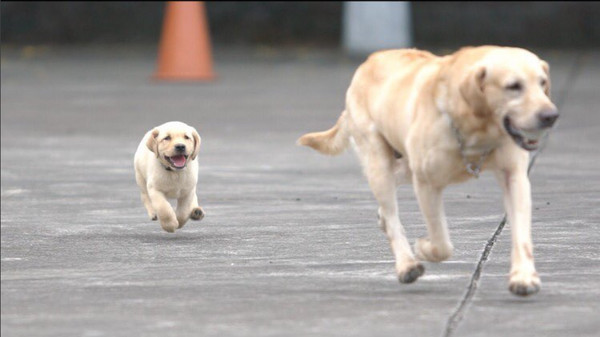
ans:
(547, 117)
(180, 148)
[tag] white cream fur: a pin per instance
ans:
(157, 184)
(403, 100)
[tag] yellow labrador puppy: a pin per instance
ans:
(434, 121)
(166, 167)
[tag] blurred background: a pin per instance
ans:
(308, 24)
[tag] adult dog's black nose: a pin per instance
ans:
(180, 148)
(547, 117)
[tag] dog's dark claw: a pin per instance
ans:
(524, 290)
(412, 274)
(197, 214)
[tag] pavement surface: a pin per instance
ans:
(290, 245)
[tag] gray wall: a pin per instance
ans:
(441, 24)
(548, 24)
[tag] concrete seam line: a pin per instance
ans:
(458, 314)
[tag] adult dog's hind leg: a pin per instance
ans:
(437, 246)
(378, 162)
(402, 171)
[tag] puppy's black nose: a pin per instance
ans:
(180, 148)
(547, 117)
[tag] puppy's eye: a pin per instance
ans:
(543, 82)
(167, 138)
(186, 137)
(516, 86)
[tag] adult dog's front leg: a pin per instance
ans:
(524, 279)
(437, 247)
(166, 215)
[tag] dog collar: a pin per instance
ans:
(473, 168)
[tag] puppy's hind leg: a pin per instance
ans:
(144, 195)
(377, 159)
(148, 204)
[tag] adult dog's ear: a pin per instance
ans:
(152, 142)
(546, 68)
(472, 87)
(197, 141)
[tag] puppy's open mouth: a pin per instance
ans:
(518, 135)
(178, 161)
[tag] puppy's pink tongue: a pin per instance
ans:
(179, 161)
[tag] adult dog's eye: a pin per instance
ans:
(516, 86)
(167, 138)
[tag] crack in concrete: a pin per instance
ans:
(458, 314)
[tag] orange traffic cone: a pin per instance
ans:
(184, 52)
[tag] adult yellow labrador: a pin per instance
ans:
(166, 168)
(434, 121)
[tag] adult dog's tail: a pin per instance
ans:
(332, 141)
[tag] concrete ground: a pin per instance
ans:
(290, 244)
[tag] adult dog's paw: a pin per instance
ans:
(411, 273)
(426, 251)
(524, 283)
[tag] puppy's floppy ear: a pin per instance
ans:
(546, 68)
(197, 141)
(471, 89)
(152, 142)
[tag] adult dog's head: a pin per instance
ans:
(174, 143)
(513, 85)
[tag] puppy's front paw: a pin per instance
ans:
(411, 273)
(427, 251)
(169, 226)
(524, 283)
(197, 214)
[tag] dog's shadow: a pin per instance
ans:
(158, 237)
